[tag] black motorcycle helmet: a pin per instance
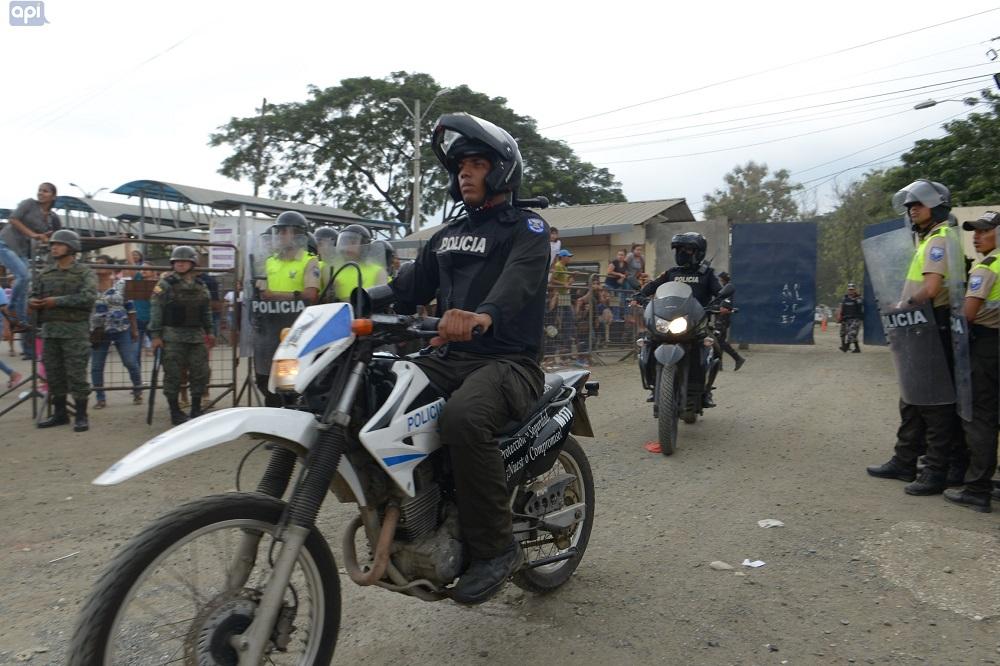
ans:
(458, 135)
(689, 248)
(326, 234)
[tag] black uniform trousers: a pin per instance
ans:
(981, 433)
(723, 338)
(932, 431)
(486, 392)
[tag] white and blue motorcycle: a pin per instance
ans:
(247, 578)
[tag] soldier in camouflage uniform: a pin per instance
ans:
(63, 295)
(181, 324)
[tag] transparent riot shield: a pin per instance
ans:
(279, 263)
(914, 338)
(961, 359)
(349, 265)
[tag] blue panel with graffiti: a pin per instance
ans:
(774, 271)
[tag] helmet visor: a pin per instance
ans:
(288, 239)
(919, 191)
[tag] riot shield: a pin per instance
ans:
(278, 262)
(914, 339)
(348, 265)
(962, 362)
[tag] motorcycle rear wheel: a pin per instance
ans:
(144, 579)
(668, 396)
(546, 578)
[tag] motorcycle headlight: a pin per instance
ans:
(285, 371)
(678, 326)
(675, 326)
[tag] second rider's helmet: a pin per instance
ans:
(689, 248)
(458, 135)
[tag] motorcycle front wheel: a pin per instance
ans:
(571, 460)
(668, 396)
(172, 594)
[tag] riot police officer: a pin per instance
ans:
(63, 296)
(691, 269)
(354, 244)
(181, 325)
(488, 271)
(850, 315)
(326, 242)
(291, 283)
(982, 309)
(928, 418)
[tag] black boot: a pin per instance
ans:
(857, 349)
(80, 422)
(893, 470)
(59, 416)
(177, 417)
(928, 483)
(196, 406)
(484, 578)
(980, 503)
(706, 400)
(739, 362)
(843, 345)
(956, 475)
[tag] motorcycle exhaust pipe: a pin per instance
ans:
(381, 561)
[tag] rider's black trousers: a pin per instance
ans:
(486, 392)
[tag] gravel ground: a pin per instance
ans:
(860, 573)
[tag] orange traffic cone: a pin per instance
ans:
(822, 325)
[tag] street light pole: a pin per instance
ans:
(928, 103)
(417, 117)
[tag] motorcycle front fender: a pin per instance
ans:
(287, 427)
(669, 354)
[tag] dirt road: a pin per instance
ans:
(860, 573)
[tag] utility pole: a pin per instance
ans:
(417, 117)
(257, 177)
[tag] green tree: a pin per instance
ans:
(964, 159)
(749, 196)
(840, 259)
(350, 143)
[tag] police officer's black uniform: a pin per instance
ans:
(493, 260)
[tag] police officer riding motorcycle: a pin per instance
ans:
(672, 354)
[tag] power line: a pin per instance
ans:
(866, 105)
(822, 92)
(755, 144)
(770, 124)
(771, 69)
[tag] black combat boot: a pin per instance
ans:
(974, 501)
(59, 416)
(956, 474)
(857, 349)
(928, 483)
(893, 470)
(177, 417)
(739, 362)
(843, 345)
(196, 406)
(484, 578)
(706, 400)
(80, 422)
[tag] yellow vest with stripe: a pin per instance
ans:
(915, 274)
(287, 274)
(347, 280)
(990, 262)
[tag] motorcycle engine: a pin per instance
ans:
(435, 556)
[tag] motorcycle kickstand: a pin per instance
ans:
(250, 644)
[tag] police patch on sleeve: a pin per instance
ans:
(975, 282)
(536, 225)
(937, 253)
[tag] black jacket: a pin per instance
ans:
(701, 279)
(493, 261)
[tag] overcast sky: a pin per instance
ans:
(109, 92)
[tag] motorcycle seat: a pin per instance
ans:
(553, 385)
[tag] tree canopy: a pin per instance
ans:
(351, 144)
(749, 196)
